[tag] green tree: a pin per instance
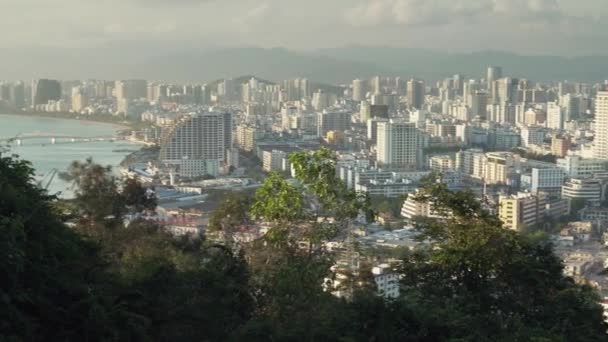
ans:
(137, 198)
(137, 283)
(96, 191)
(232, 212)
(493, 282)
(50, 288)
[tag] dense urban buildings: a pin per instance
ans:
(534, 153)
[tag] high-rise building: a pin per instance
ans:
(555, 116)
(227, 90)
(494, 73)
(196, 144)
(415, 93)
(601, 126)
(201, 95)
(479, 104)
(333, 121)
(358, 90)
(131, 89)
(17, 95)
(502, 113)
(469, 88)
(506, 90)
(304, 87)
(79, 99)
(376, 85)
(5, 91)
(322, 100)
(372, 128)
(365, 111)
(574, 106)
(397, 145)
(247, 136)
(44, 90)
(458, 84)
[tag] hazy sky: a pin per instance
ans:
(568, 27)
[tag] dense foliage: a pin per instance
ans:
(113, 276)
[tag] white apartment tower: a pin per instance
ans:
(196, 141)
(601, 126)
(397, 144)
(555, 116)
(358, 90)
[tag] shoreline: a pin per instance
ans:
(118, 126)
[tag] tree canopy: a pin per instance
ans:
(98, 279)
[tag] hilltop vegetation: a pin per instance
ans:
(97, 280)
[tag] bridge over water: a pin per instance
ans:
(38, 137)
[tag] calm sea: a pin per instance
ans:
(46, 156)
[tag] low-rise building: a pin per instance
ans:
(274, 160)
(442, 164)
(412, 208)
(589, 190)
(386, 280)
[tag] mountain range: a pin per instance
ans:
(329, 65)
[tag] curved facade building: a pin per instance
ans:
(197, 144)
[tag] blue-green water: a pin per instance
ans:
(46, 156)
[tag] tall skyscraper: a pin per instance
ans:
(17, 95)
(130, 89)
(507, 89)
(358, 90)
(79, 99)
(201, 95)
(376, 85)
(397, 145)
(366, 111)
(479, 104)
(555, 116)
(227, 90)
(600, 150)
(415, 93)
(458, 83)
(494, 73)
(44, 90)
(304, 88)
(469, 88)
(5, 92)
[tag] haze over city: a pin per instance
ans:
(205, 39)
(342, 170)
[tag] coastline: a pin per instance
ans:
(117, 125)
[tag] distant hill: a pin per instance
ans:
(434, 64)
(330, 66)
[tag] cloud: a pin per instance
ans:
(414, 12)
(441, 12)
(167, 3)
